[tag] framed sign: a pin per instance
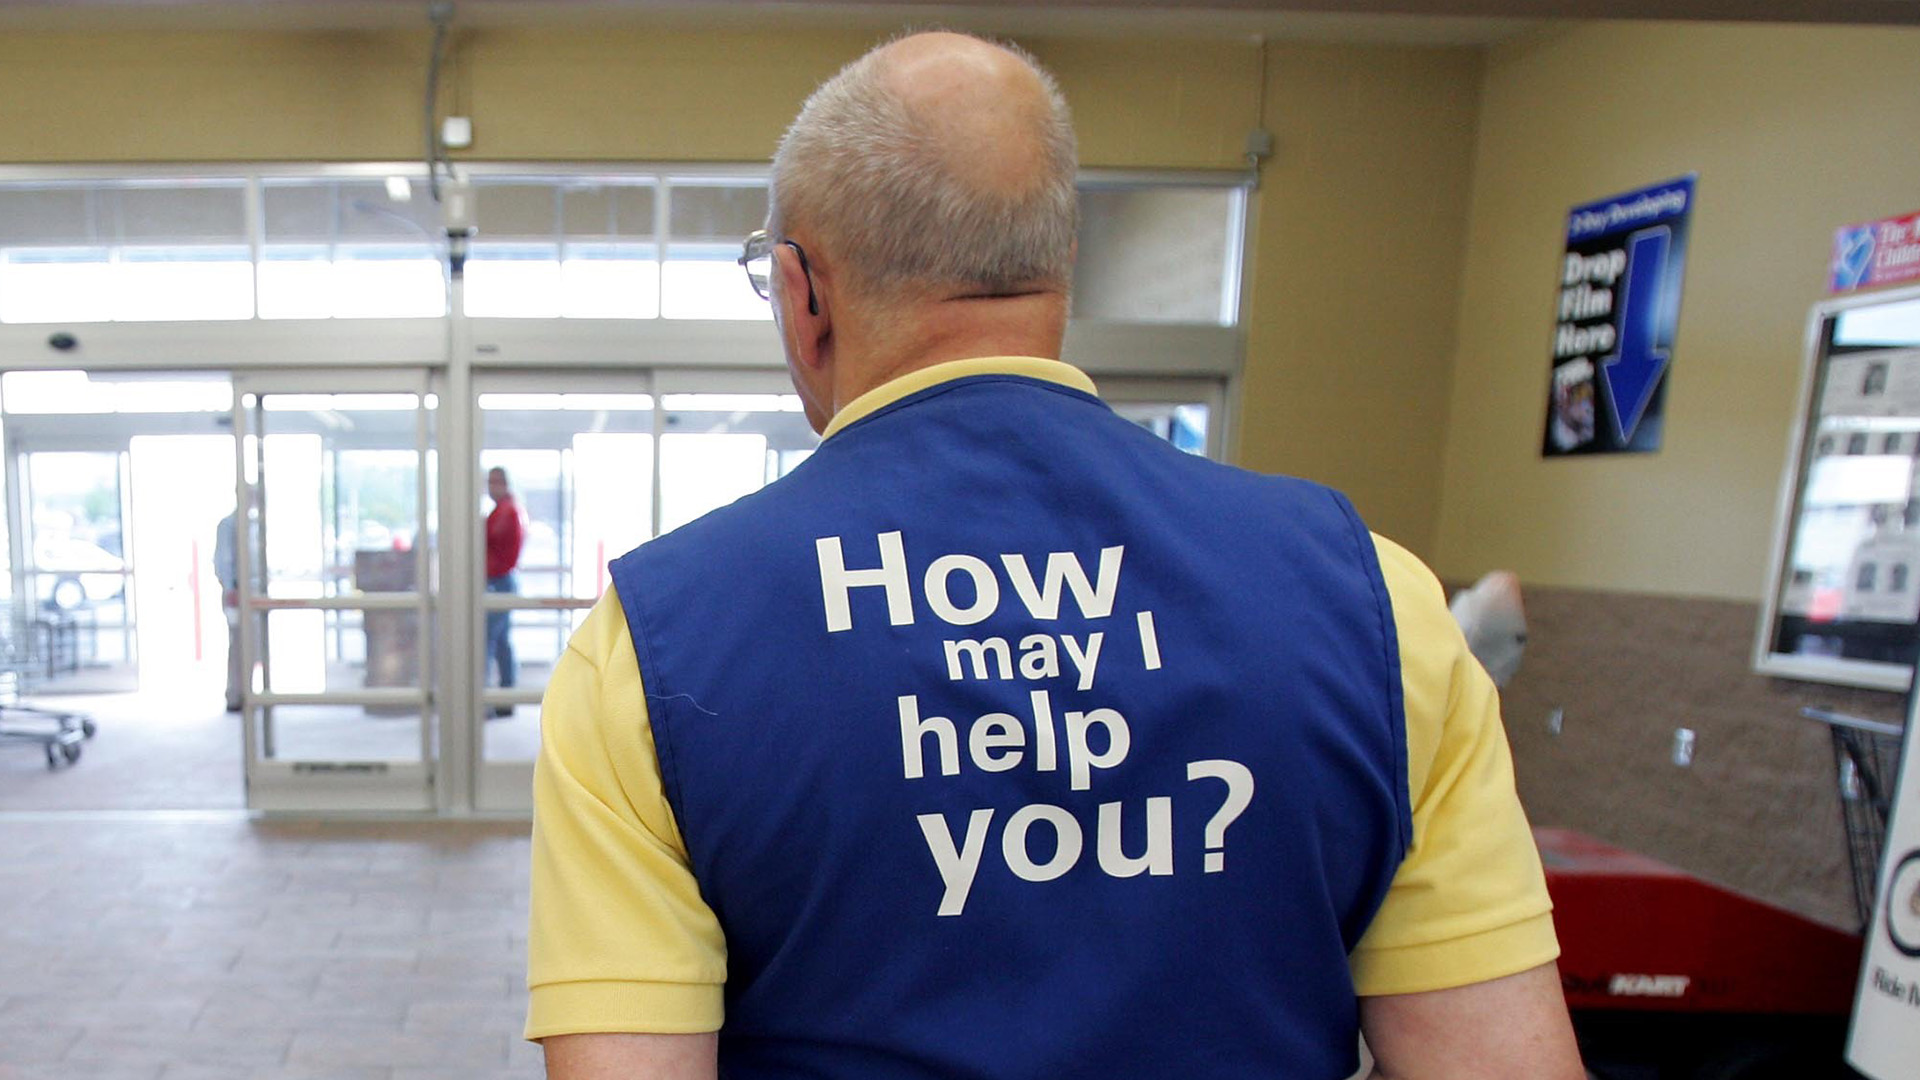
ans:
(1615, 316)
(1843, 599)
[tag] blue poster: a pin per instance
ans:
(1618, 304)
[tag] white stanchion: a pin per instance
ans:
(1884, 1042)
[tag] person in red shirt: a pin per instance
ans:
(505, 533)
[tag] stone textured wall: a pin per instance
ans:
(1759, 809)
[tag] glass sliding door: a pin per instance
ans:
(579, 465)
(77, 572)
(597, 469)
(336, 587)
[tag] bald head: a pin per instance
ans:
(985, 110)
(937, 163)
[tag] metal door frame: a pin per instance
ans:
(507, 785)
(23, 565)
(306, 786)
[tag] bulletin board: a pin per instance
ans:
(1843, 599)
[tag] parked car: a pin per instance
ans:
(73, 572)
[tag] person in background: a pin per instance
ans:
(1494, 622)
(506, 532)
(226, 568)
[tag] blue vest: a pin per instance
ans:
(1008, 741)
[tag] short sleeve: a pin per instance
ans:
(1469, 902)
(619, 939)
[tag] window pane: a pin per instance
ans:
(336, 211)
(731, 403)
(561, 248)
(77, 570)
(296, 283)
(315, 651)
(53, 393)
(610, 282)
(706, 224)
(720, 213)
(186, 395)
(342, 493)
(339, 733)
(55, 216)
(594, 281)
(609, 210)
(212, 213)
(514, 281)
(699, 473)
(704, 282)
(1158, 255)
(69, 392)
(350, 249)
(583, 478)
(56, 285)
(75, 510)
(129, 250)
(539, 637)
(1183, 425)
(517, 211)
(724, 446)
(389, 283)
(160, 284)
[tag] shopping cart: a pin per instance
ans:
(1866, 757)
(60, 732)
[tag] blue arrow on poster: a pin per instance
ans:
(1616, 310)
(1634, 371)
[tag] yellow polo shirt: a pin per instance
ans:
(620, 940)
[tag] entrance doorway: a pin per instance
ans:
(114, 483)
(183, 487)
(616, 460)
(335, 587)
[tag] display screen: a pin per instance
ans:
(1844, 605)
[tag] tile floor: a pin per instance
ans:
(165, 751)
(211, 946)
(152, 751)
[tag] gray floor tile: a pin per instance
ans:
(40, 1047)
(343, 1046)
(270, 951)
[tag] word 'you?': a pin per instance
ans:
(1083, 739)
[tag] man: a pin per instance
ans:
(1000, 739)
(226, 569)
(505, 535)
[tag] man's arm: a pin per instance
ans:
(1515, 1026)
(618, 938)
(1455, 973)
(632, 1057)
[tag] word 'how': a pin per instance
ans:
(1063, 574)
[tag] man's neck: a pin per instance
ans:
(961, 328)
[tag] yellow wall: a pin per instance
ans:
(1793, 131)
(631, 93)
(1360, 219)
(1356, 270)
(72, 97)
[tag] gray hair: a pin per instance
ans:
(863, 170)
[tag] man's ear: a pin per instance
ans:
(807, 325)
